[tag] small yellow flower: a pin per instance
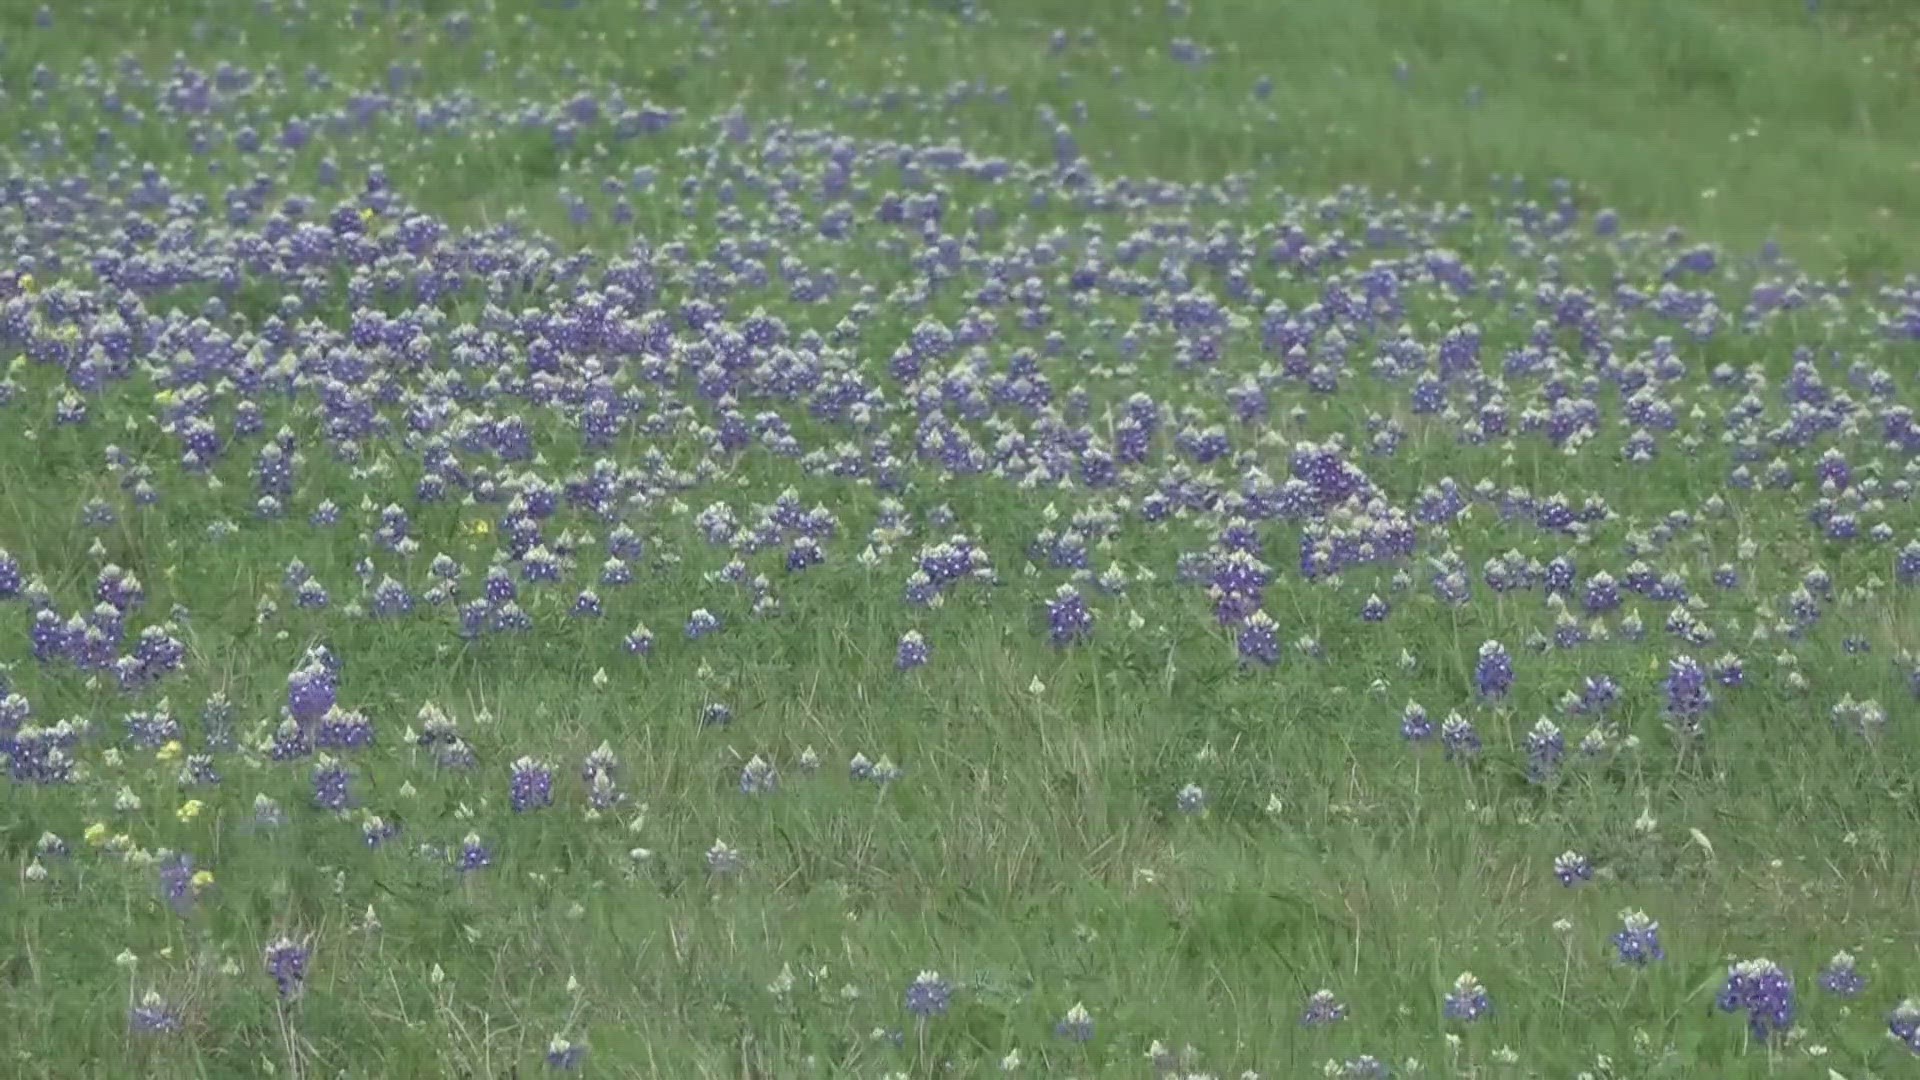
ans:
(367, 215)
(189, 810)
(202, 880)
(479, 527)
(96, 834)
(170, 751)
(27, 283)
(164, 397)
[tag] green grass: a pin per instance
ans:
(1032, 850)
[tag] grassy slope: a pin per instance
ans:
(1012, 855)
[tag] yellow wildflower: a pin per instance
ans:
(189, 810)
(202, 880)
(96, 834)
(170, 751)
(26, 283)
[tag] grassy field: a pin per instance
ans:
(858, 538)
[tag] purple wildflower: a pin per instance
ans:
(1467, 1001)
(531, 785)
(565, 1056)
(928, 995)
(286, 962)
(1764, 992)
(1415, 725)
(1069, 620)
(912, 652)
(153, 1015)
(1638, 939)
(473, 854)
(1572, 868)
(1258, 640)
(1904, 1024)
(1322, 1008)
(330, 781)
(1076, 1026)
(1493, 673)
(1842, 977)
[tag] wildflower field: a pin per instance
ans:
(868, 538)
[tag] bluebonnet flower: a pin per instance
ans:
(1572, 868)
(912, 652)
(330, 782)
(1322, 1008)
(540, 565)
(1458, 737)
(1598, 693)
(638, 642)
(723, 859)
(1375, 609)
(1687, 694)
(531, 784)
(1076, 1026)
(1258, 640)
(286, 962)
(342, 729)
(1190, 799)
(1493, 673)
(600, 761)
(1601, 594)
(1567, 631)
(1545, 745)
(153, 1015)
(758, 776)
(1904, 1024)
(376, 830)
(391, 599)
(1842, 976)
(1906, 566)
(473, 854)
(1364, 1067)
(1069, 620)
(1415, 725)
(1863, 718)
(1638, 939)
(586, 605)
(701, 623)
(1764, 992)
(565, 1056)
(715, 714)
(804, 554)
(177, 881)
(1467, 1001)
(928, 995)
(310, 692)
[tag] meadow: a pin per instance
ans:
(868, 538)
